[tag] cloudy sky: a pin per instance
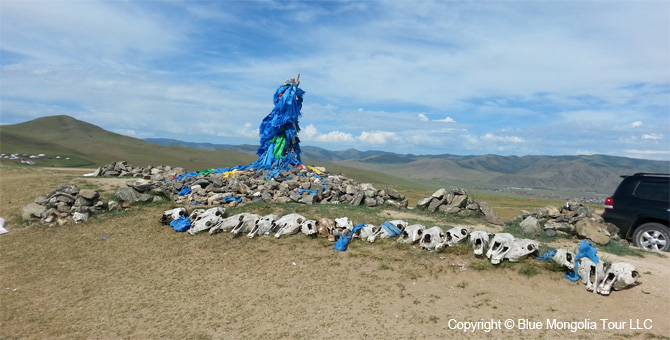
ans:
(421, 77)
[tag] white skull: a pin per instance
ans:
(480, 241)
(246, 224)
(379, 233)
(431, 238)
(288, 225)
(565, 258)
(206, 222)
(521, 248)
(366, 231)
(343, 227)
(226, 224)
(412, 234)
(173, 214)
(263, 225)
(195, 213)
(499, 246)
(592, 274)
(400, 224)
(455, 235)
(620, 275)
(308, 227)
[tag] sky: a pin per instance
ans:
(420, 77)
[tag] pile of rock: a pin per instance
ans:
(573, 218)
(123, 169)
(231, 188)
(457, 201)
(66, 204)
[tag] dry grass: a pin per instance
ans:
(124, 276)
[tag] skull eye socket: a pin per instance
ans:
(530, 247)
(208, 223)
(463, 232)
(568, 257)
(496, 245)
(420, 232)
(505, 248)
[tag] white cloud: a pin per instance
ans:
(494, 138)
(376, 137)
(423, 117)
(653, 136)
(446, 120)
(636, 124)
(336, 137)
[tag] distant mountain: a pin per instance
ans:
(592, 173)
(93, 146)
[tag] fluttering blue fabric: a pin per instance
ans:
(585, 250)
(391, 229)
(343, 241)
(547, 256)
(232, 198)
(181, 224)
(184, 191)
(279, 145)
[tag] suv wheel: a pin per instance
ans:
(653, 236)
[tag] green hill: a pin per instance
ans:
(88, 145)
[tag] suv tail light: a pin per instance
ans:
(609, 203)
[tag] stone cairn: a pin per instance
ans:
(456, 201)
(66, 204)
(573, 218)
(231, 188)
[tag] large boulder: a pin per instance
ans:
(592, 230)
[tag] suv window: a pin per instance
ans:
(653, 190)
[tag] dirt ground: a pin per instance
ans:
(127, 277)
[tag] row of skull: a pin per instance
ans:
(598, 277)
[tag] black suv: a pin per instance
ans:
(640, 208)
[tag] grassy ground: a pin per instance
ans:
(125, 276)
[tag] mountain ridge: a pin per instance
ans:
(96, 146)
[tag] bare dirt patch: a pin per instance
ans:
(126, 276)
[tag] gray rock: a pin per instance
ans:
(32, 210)
(594, 231)
(424, 202)
(358, 198)
(530, 225)
(145, 198)
(439, 194)
(489, 214)
(89, 194)
(127, 194)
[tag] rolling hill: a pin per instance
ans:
(88, 146)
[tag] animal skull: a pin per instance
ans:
(325, 228)
(455, 235)
(173, 214)
(308, 227)
(431, 238)
(412, 234)
(212, 215)
(378, 233)
(263, 225)
(206, 222)
(499, 246)
(521, 248)
(480, 241)
(228, 223)
(592, 274)
(247, 223)
(287, 225)
(366, 231)
(619, 276)
(343, 227)
(565, 258)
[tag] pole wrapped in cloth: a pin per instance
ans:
(280, 146)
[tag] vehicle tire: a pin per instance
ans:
(652, 236)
